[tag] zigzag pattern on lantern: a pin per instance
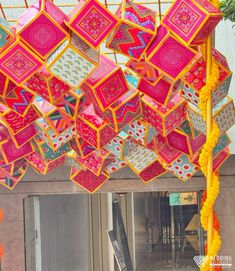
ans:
(140, 15)
(207, 150)
(129, 44)
(138, 20)
(19, 100)
(128, 109)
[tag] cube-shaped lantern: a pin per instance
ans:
(163, 90)
(47, 86)
(223, 114)
(168, 154)
(144, 70)
(169, 55)
(42, 27)
(121, 145)
(16, 122)
(115, 165)
(91, 21)
(131, 78)
(105, 84)
(11, 153)
(81, 146)
(157, 142)
(20, 138)
(56, 117)
(182, 168)
(47, 134)
(141, 131)
(69, 105)
(165, 118)
(135, 31)
(44, 166)
(19, 63)
(185, 143)
(73, 61)
(222, 143)
(144, 163)
(93, 127)
(11, 175)
(192, 21)
(24, 135)
(19, 100)
(5, 33)
(88, 180)
(218, 159)
(97, 161)
(72, 160)
(48, 153)
(126, 109)
(195, 79)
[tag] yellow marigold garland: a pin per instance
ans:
(207, 150)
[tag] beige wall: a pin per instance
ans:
(12, 228)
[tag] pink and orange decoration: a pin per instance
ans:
(64, 102)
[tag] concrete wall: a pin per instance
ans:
(12, 228)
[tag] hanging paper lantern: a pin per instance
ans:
(87, 180)
(195, 79)
(116, 165)
(182, 168)
(144, 70)
(192, 21)
(11, 175)
(19, 100)
(47, 86)
(81, 146)
(93, 127)
(224, 110)
(186, 143)
(5, 33)
(97, 161)
(168, 154)
(19, 63)
(125, 109)
(169, 55)
(135, 31)
(42, 27)
(218, 159)
(142, 132)
(105, 84)
(11, 153)
(91, 22)
(144, 163)
(44, 166)
(164, 118)
(73, 61)
(163, 90)
(17, 123)
(121, 145)
(48, 135)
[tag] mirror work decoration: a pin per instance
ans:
(64, 102)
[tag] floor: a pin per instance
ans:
(170, 256)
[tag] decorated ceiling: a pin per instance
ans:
(101, 86)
